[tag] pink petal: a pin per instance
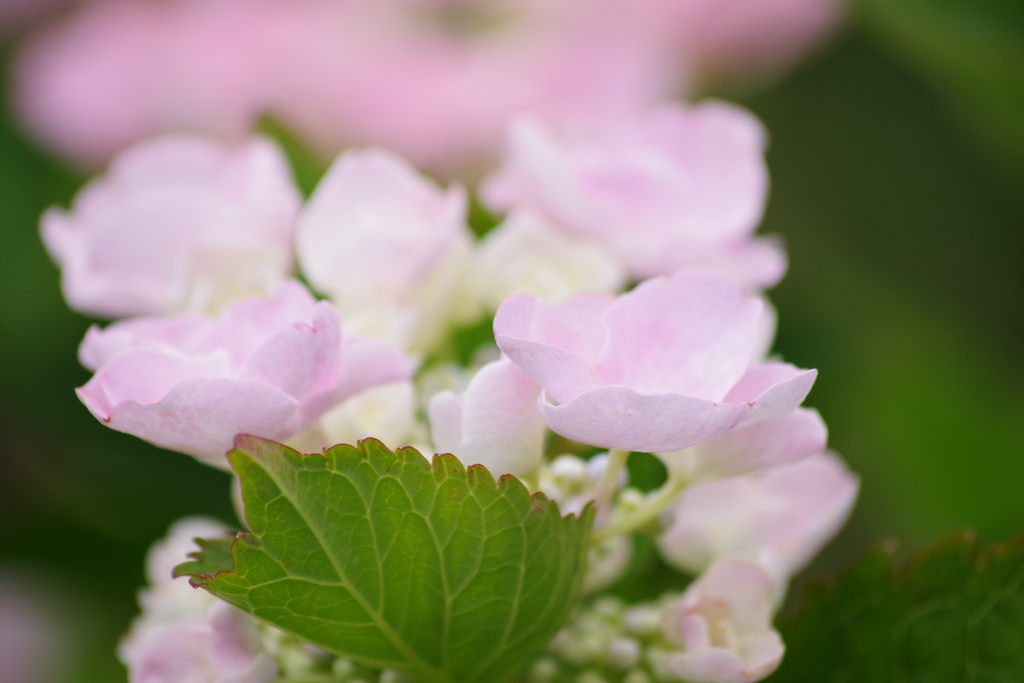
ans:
(101, 344)
(771, 390)
(531, 332)
(501, 428)
(365, 363)
(692, 334)
(618, 417)
(145, 375)
(778, 520)
(200, 416)
(297, 358)
(445, 414)
(792, 437)
(714, 665)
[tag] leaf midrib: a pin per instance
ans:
(378, 620)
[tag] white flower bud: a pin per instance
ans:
(623, 653)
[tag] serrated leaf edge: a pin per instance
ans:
(540, 503)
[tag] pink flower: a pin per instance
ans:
(116, 73)
(438, 80)
(388, 247)
(267, 367)
(177, 224)
(221, 646)
(185, 635)
(495, 423)
(723, 626)
(781, 441)
(778, 520)
(37, 642)
(678, 187)
(658, 369)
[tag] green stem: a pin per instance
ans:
(642, 515)
(610, 477)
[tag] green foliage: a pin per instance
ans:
(397, 563)
(467, 340)
(971, 50)
(953, 613)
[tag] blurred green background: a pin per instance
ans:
(897, 162)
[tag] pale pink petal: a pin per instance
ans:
(678, 187)
(179, 223)
(710, 666)
(200, 416)
(445, 414)
(618, 417)
(548, 365)
(500, 426)
(771, 390)
(692, 334)
(101, 344)
(792, 437)
(822, 492)
(722, 625)
(778, 520)
(376, 227)
(365, 363)
(531, 332)
(238, 332)
(672, 368)
(298, 357)
(758, 263)
(146, 375)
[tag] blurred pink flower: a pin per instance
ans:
(221, 646)
(723, 625)
(177, 224)
(185, 635)
(117, 72)
(658, 369)
(438, 80)
(678, 187)
(434, 80)
(36, 640)
(494, 423)
(388, 246)
(267, 367)
(778, 520)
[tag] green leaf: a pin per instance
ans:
(306, 166)
(397, 563)
(953, 613)
(215, 557)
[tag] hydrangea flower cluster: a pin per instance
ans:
(626, 289)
